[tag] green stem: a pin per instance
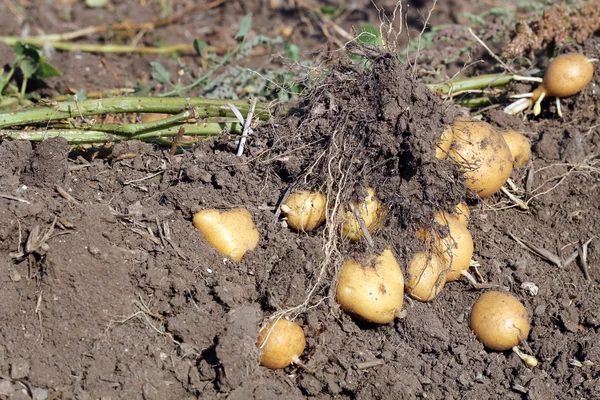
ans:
(99, 48)
(473, 83)
(132, 129)
(172, 105)
(7, 79)
(23, 87)
(84, 136)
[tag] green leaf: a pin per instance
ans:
(369, 35)
(292, 51)
(81, 95)
(19, 50)
(199, 46)
(330, 11)
(28, 67)
(46, 70)
(244, 27)
(159, 73)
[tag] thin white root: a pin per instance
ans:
(529, 360)
(527, 78)
(537, 107)
(518, 106)
(558, 108)
(296, 361)
(593, 59)
(517, 201)
(522, 95)
(474, 283)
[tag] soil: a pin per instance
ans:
(108, 290)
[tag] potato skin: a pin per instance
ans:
(372, 289)
(426, 276)
(567, 75)
(497, 319)
(306, 210)
(482, 155)
(231, 232)
(443, 145)
(372, 212)
(462, 213)
(281, 342)
(457, 247)
(519, 147)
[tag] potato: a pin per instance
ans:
(519, 146)
(499, 320)
(462, 213)
(282, 343)
(232, 232)
(304, 210)
(443, 145)
(482, 155)
(456, 248)
(426, 276)
(371, 210)
(372, 288)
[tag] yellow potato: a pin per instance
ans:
(304, 210)
(456, 248)
(282, 343)
(482, 155)
(232, 232)
(371, 211)
(443, 145)
(519, 146)
(462, 213)
(426, 276)
(499, 320)
(372, 289)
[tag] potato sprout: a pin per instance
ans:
(566, 75)
(282, 342)
(370, 210)
(305, 210)
(426, 276)
(519, 146)
(232, 232)
(372, 288)
(482, 155)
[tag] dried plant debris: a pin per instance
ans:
(555, 26)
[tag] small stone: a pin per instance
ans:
(19, 369)
(39, 394)
(6, 388)
(14, 275)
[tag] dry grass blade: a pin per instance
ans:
(35, 241)
(541, 252)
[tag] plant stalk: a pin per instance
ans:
(87, 136)
(203, 108)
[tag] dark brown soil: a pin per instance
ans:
(121, 297)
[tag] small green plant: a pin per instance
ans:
(30, 60)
